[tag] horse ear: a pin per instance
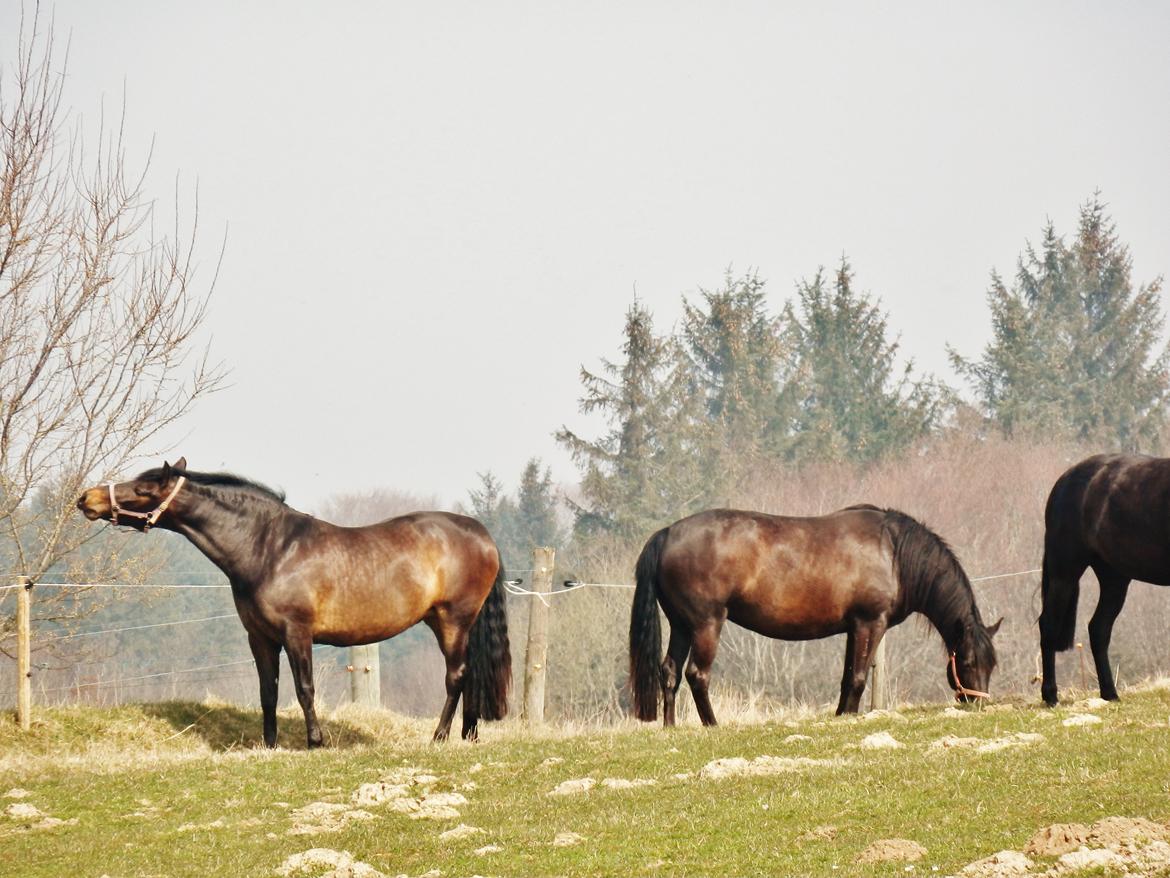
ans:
(181, 463)
(992, 629)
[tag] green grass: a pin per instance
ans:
(137, 778)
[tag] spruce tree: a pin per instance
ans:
(1076, 347)
(639, 475)
(731, 347)
(843, 395)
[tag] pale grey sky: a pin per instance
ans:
(438, 212)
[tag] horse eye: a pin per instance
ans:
(142, 490)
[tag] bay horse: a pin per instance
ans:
(856, 572)
(297, 581)
(1110, 512)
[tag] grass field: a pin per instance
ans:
(180, 789)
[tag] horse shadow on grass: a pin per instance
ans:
(224, 727)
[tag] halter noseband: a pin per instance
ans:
(960, 689)
(151, 517)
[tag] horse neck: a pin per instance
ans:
(232, 529)
(949, 604)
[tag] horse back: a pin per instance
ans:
(1112, 509)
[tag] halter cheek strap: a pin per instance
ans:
(960, 689)
(152, 517)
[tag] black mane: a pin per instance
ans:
(935, 583)
(216, 480)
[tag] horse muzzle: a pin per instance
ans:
(94, 504)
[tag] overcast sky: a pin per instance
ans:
(436, 213)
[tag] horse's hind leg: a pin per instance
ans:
(703, 648)
(1059, 587)
(453, 643)
(299, 646)
(1114, 588)
(672, 665)
(267, 655)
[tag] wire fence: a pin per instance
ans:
(209, 672)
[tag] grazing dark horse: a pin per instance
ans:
(297, 581)
(1110, 512)
(855, 572)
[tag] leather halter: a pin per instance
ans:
(960, 689)
(152, 517)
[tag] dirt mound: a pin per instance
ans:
(1005, 864)
(1082, 719)
(818, 833)
(1118, 830)
(460, 831)
(986, 745)
(29, 817)
(1126, 859)
(880, 741)
(1057, 839)
(737, 766)
(1131, 846)
(570, 787)
(320, 817)
(567, 839)
(901, 850)
(432, 806)
(327, 863)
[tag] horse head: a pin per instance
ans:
(139, 502)
(972, 661)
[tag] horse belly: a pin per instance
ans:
(361, 615)
(788, 623)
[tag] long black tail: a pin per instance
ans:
(646, 631)
(1058, 610)
(489, 657)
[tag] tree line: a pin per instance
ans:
(1076, 354)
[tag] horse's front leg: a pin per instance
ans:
(299, 646)
(863, 642)
(267, 655)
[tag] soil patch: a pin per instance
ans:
(737, 766)
(901, 850)
(1005, 864)
(327, 863)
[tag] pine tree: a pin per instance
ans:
(843, 396)
(638, 476)
(519, 523)
(1075, 352)
(732, 347)
(536, 508)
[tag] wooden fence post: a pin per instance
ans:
(365, 675)
(536, 656)
(24, 653)
(878, 683)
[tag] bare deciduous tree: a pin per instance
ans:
(98, 317)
